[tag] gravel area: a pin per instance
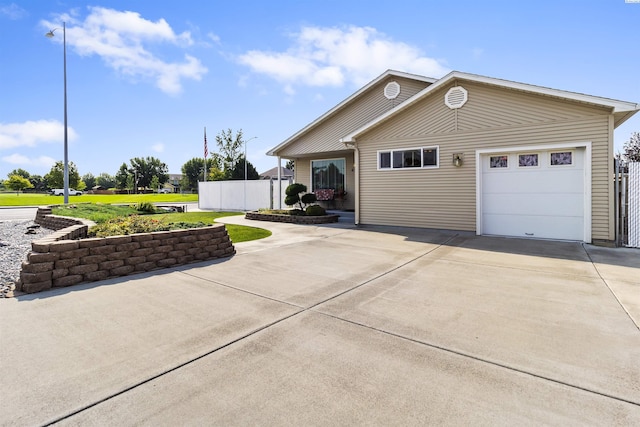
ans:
(15, 244)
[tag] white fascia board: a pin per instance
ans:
(615, 105)
(329, 113)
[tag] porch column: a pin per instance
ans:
(279, 183)
(356, 160)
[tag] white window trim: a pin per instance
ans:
(311, 190)
(428, 147)
(531, 148)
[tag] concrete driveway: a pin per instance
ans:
(334, 325)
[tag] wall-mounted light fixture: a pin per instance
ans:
(458, 159)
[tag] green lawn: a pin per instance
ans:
(100, 213)
(28, 199)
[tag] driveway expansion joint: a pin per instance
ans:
(610, 290)
(481, 360)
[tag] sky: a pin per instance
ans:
(145, 77)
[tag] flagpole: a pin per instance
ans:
(206, 152)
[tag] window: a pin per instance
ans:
(328, 174)
(498, 162)
(408, 158)
(560, 159)
(526, 160)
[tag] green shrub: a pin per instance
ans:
(294, 196)
(295, 189)
(296, 212)
(308, 198)
(146, 207)
(128, 225)
(315, 210)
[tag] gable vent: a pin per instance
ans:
(392, 90)
(456, 97)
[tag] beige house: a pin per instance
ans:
(467, 152)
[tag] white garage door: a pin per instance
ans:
(538, 194)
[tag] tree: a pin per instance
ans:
(193, 170)
(38, 182)
(229, 148)
(215, 174)
(55, 177)
(237, 172)
(105, 180)
(155, 183)
(20, 172)
(130, 183)
(291, 165)
(144, 169)
(632, 148)
(89, 180)
(122, 176)
(17, 183)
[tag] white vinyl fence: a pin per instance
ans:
(634, 205)
(243, 195)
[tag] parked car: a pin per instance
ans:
(165, 190)
(60, 192)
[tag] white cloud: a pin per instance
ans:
(124, 39)
(20, 160)
(13, 11)
(335, 56)
(214, 37)
(158, 148)
(32, 133)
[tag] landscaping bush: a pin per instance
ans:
(137, 224)
(146, 207)
(315, 210)
(293, 197)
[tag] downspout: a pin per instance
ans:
(356, 159)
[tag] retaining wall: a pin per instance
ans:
(65, 258)
(292, 219)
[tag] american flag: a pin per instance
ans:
(206, 150)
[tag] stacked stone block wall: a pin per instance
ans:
(60, 259)
(292, 219)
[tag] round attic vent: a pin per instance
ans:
(392, 90)
(456, 97)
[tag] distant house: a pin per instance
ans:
(273, 173)
(173, 183)
(467, 152)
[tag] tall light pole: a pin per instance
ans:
(245, 171)
(66, 153)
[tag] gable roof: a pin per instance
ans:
(621, 110)
(347, 101)
(273, 172)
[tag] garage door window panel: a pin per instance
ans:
(563, 158)
(499, 162)
(528, 160)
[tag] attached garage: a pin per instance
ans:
(470, 153)
(536, 192)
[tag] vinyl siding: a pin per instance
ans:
(492, 118)
(325, 136)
